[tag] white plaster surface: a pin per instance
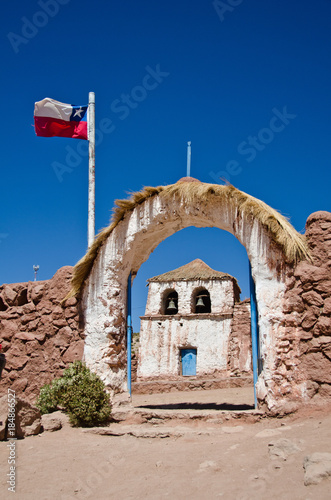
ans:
(162, 337)
(221, 295)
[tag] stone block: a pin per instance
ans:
(36, 293)
(60, 323)
(323, 326)
(313, 298)
(71, 302)
(33, 325)
(63, 337)
(28, 308)
(324, 287)
(24, 336)
(22, 298)
(32, 346)
(327, 307)
(8, 329)
(317, 218)
(293, 320)
(75, 351)
(317, 367)
(9, 295)
(28, 419)
(20, 384)
(70, 312)
(40, 335)
(28, 317)
(309, 273)
(293, 302)
(320, 343)
(310, 317)
(311, 388)
(47, 326)
(50, 422)
(57, 313)
(16, 362)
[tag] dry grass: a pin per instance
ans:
(292, 243)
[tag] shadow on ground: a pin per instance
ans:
(198, 406)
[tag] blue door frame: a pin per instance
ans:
(189, 362)
(129, 333)
(254, 333)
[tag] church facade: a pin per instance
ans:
(194, 325)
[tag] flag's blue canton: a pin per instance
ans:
(78, 113)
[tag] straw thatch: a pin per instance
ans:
(195, 270)
(292, 243)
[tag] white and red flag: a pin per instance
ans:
(57, 119)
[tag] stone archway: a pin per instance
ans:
(153, 215)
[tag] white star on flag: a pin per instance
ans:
(78, 112)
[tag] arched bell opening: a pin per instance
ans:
(201, 303)
(170, 303)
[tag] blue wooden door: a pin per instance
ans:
(189, 362)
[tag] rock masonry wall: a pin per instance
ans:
(304, 352)
(39, 336)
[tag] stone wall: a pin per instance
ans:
(302, 370)
(39, 336)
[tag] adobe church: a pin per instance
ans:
(194, 325)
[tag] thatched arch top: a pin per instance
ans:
(292, 243)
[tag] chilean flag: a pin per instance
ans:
(56, 119)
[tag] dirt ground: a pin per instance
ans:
(228, 458)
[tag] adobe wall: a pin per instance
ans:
(39, 336)
(221, 295)
(162, 337)
(240, 341)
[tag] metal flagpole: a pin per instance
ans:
(188, 169)
(91, 176)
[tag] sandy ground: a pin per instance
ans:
(227, 459)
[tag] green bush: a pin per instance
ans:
(80, 393)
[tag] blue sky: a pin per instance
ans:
(248, 83)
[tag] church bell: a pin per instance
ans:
(172, 305)
(200, 302)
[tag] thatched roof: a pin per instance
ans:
(195, 270)
(293, 244)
